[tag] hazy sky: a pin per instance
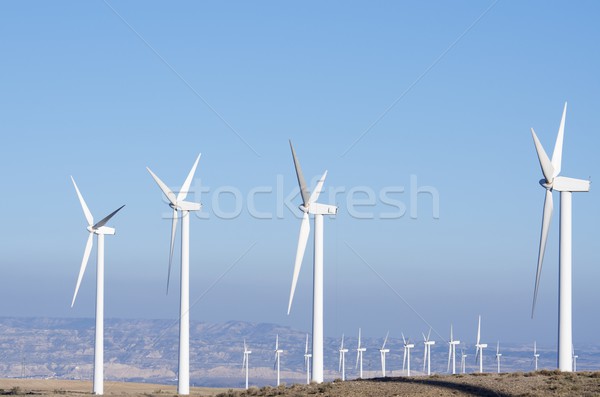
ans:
(390, 97)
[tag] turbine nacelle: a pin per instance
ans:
(186, 206)
(101, 230)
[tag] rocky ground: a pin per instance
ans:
(542, 383)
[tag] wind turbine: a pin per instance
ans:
(359, 355)
(463, 359)
(342, 366)
(307, 357)
(427, 353)
(536, 356)
(452, 352)
(566, 186)
(498, 355)
(246, 361)
(575, 357)
(406, 358)
(178, 203)
(479, 347)
(383, 351)
(278, 352)
(100, 230)
(310, 206)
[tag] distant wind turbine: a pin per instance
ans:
(178, 203)
(452, 352)
(99, 230)
(427, 352)
(310, 206)
(479, 347)
(463, 359)
(383, 351)
(307, 357)
(359, 356)
(246, 361)
(342, 366)
(575, 357)
(498, 355)
(278, 352)
(536, 356)
(566, 186)
(406, 358)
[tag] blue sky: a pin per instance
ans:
(443, 93)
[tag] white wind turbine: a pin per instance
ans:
(100, 230)
(278, 352)
(307, 357)
(566, 186)
(359, 356)
(406, 358)
(342, 366)
(178, 203)
(246, 361)
(575, 357)
(479, 347)
(427, 352)
(463, 359)
(383, 351)
(310, 206)
(536, 356)
(452, 352)
(498, 355)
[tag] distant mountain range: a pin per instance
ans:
(146, 351)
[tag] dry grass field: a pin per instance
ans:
(542, 383)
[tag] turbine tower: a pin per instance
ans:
(342, 366)
(359, 356)
(479, 347)
(278, 352)
(178, 203)
(463, 359)
(99, 230)
(452, 352)
(307, 357)
(498, 355)
(310, 206)
(246, 361)
(566, 186)
(427, 352)
(536, 356)
(406, 358)
(383, 351)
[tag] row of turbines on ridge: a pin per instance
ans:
(181, 208)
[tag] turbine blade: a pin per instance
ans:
(315, 194)
(306, 348)
(86, 257)
(385, 340)
(479, 330)
(546, 218)
(165, 189)
(359, 330)
(451, 337)
(403, 339)
(300, 176)
(404, 359)
(476, 353)
(424, 357)
(86, 210)
(302, 240)
(107, 218)
(277, 342)
(342, 345)
(449, 356)
(340, 365)
(173, 233)
(188, 181)
(357, 356)
(558, 147)
(545, 164)
(428, 334)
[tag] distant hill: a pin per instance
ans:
(146, 351)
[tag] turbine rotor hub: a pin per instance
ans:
(546, 185)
